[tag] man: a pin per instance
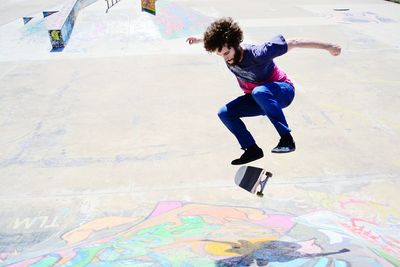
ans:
(267, 88)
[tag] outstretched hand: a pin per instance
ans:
(193, 40)
(335, 50)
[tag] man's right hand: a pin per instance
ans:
(193, 40)
(334, 49)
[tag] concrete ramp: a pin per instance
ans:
(112, 153)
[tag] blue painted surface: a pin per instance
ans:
(323, 262)
(339, 263)
(48, 13)
(27, 19)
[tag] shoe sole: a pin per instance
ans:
(241, 163)
(283, 152)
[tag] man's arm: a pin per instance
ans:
(334, 49)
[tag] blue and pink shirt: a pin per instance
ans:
(257, 66)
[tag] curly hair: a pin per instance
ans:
(222, 32)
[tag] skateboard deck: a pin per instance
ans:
(252, 179)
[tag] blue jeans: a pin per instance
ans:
(268, 99)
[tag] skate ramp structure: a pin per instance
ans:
(112, 153)
(60, 26)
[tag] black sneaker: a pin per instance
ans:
(285, 145)
(250, 154)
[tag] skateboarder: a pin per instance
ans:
(267, 89)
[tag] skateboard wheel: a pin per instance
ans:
(259, 194)
(268, 174)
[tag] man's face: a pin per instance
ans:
(231, 55)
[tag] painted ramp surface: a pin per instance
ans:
(112, 153)
(191, 234)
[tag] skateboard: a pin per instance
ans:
(252, 179)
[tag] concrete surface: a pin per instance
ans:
(111, 153)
